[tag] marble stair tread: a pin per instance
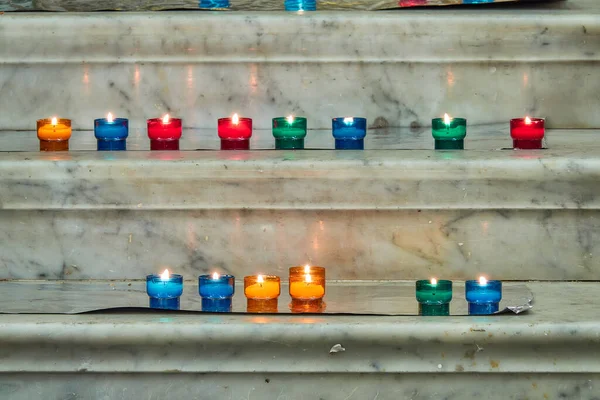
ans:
(560, 335)
(561, 177)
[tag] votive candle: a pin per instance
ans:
(527, 133)
(216, 292)
(164, 133)
(483, 296)
(111, 133)
(349, 132)
(235, 132)
(307, 283)
(434, 297)
(289, 132)
(449, 133)
(54, 134)
(262, 292)
(164, 290)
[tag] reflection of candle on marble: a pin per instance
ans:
(289, 132)
(300, 5)
(235, 132)
(111, 133)
(349, 133)
(54, 134)
(527, 133)
(164, 133)
(483, 296)
(434, 297)
(216, 292)
(449, 133)
(307, 283)
(164, 290)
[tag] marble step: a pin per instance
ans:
(548, 353)
(397, 68)
(376, 214)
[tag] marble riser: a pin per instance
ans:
(396, 69)
(359, 244)
(281, 386)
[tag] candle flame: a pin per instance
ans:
(447, 119)
(235, 120)
(307, 269)
(165, 275)
(307, 278)
(433, 281)
(260, 279)
(290, 119)
(215, 275)
(54, 121)
(109, 117)
(482, 280)
(166, 119)
(348, 120)
(527, 120)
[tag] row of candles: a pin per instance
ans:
(289, 133)
(307, 290)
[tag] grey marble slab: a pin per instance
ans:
(396, 69)
(342, 297)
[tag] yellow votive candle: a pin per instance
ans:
(54, 134)
(262, 287)
(307, 283)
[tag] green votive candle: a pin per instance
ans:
(289, 132)
(449, 133)
(434, 297)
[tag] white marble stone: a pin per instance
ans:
(547, 353)
(377, 214)
(395, 68)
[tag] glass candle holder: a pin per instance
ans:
(164, 133)
(527, 133)
(449, 133)
(235, 133)
(111, 133)
(289, 132)
(300, 5)
(434, 297)
(259, 306)
(307, 283)
(349, 133)
(262, 287)
(164, 290)
(483, 296)
(216, 292)
(307, 306)
(214, 4)
(54, 134)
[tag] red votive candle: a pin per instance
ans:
(164, 133)
(527, 133)
(235, 132)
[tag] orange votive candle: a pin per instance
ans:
(262, 287)
(258, 306)
(307, 283)
(54, 134)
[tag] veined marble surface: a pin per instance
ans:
(395, 68)
(376, 214)
(560, 335)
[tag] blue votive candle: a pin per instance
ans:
(300, 5)
(216, 292)
(483, 296)
(111, 133)
(349, 133)
(164, 290)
